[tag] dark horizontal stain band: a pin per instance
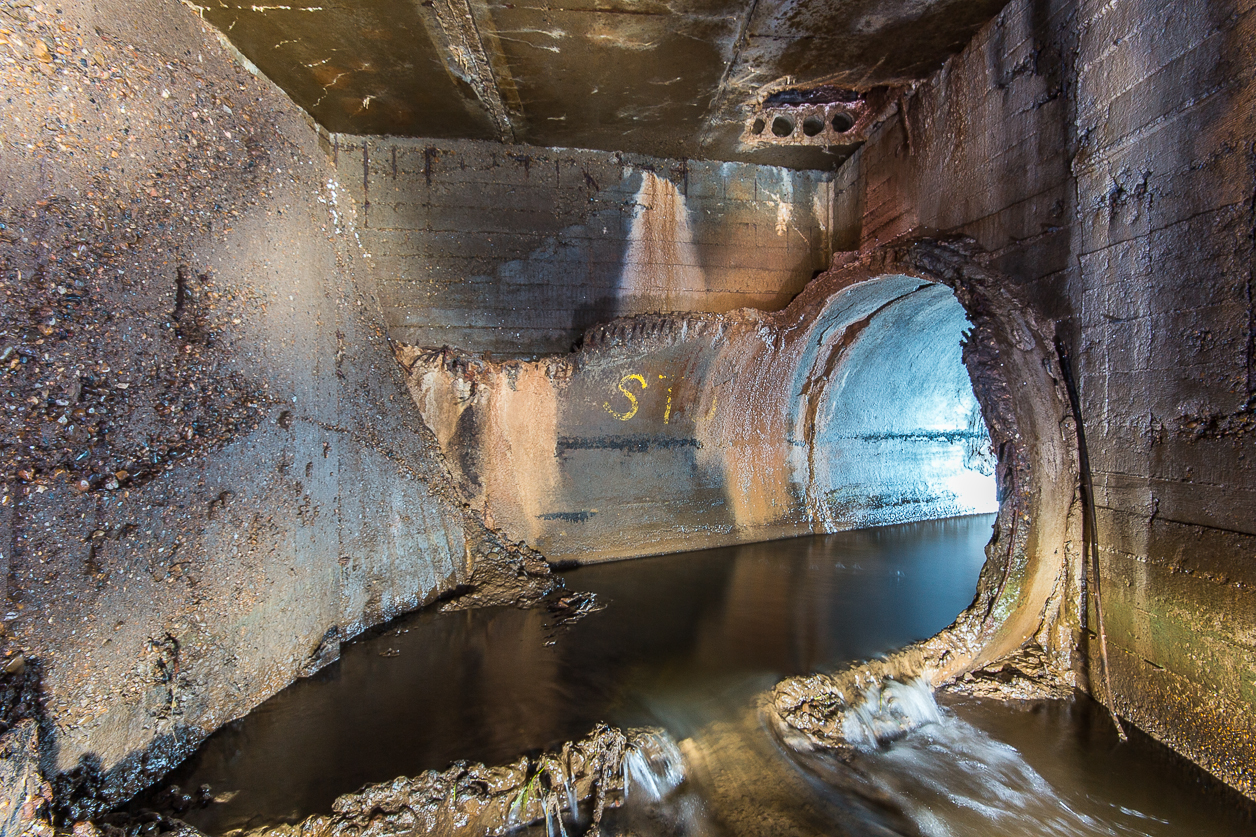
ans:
(631, 444)
(949, 436)
(570, 517)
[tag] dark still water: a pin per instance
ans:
(684, 642)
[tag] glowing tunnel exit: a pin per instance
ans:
(672, 432)
(890, 429)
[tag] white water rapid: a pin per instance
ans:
(952, 779)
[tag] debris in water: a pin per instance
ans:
(1025, 675)
(570, 608)
(504, 573)
(566, 609)
(472, 799)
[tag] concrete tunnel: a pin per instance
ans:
(666, 432)
(319, 315)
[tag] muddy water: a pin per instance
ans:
(685, 642)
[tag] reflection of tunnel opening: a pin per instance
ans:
(895, 431)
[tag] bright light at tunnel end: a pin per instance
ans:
(975, 490)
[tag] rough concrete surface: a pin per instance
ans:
(1103, 152)
(517, 251)
(207, 482)
(672, 79)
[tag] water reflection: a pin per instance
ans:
(685, 642)
(685, 638)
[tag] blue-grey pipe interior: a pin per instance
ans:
(899, 434)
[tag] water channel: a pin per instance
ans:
(685, 642)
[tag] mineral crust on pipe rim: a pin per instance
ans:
(848, 708)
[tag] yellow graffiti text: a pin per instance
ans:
(632, 399)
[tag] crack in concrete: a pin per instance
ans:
(718, 106)
(465, 44)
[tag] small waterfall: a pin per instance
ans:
(653, 765)
(889, 711)
(569, 791)
(948, 777)
(954, 780)
(661, 268)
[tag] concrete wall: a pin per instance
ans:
(1103, 153)
(851, 407)
(518, 250)
(212, 473)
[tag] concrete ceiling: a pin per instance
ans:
(672, 78)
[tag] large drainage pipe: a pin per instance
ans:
(670, 432)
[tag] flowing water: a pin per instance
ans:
(685, 642)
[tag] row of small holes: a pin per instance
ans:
(783, 126)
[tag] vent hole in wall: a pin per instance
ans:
(782, 126)
(757, 127)
(843, 122)
(812, 125)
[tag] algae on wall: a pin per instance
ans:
(1119, 207)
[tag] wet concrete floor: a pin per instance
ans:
(684, 642)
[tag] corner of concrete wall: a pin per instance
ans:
(218, 473)
(517, 250)
(1103, 153)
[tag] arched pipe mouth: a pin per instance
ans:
(725, 403)
(1031, 588)
(893, 430)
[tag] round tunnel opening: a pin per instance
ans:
(862, 416)
(812, 125)
(895, 430)
(843, 122)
